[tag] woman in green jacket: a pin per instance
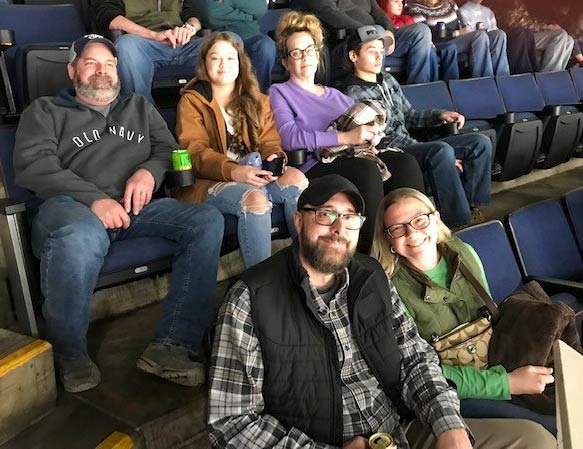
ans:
(422, 258)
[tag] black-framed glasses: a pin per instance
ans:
(326, 217)
(418, 223)
(298, 53)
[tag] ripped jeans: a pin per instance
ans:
(254, 227)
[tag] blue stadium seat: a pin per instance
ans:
(433, 95)
(520, 139)
(547, 251)
(55, 27)
(479, 101)
(564, 128)
(493, 247)
(574, 205)
(577, 77)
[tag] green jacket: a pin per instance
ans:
(237, 16)
(154, 14)
(437, 307)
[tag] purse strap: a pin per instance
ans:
(480, 290)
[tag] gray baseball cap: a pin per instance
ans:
(79, 45)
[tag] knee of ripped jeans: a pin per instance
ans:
(256, 202)
(293, 177)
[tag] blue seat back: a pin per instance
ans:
(477, 98)
(557, 88)
(493, 247)
(33, 24)
(13, 191)
(433, 95)
(577, 77)
(520, 93)
(544, 241)
(574, 206)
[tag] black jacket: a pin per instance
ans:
(299, 352)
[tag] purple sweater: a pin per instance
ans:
(302, 117)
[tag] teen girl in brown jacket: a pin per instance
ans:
(222, 116)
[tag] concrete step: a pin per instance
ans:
(154, 413)
(27, 382)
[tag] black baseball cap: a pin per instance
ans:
(323, 188)
(367, 33)
(79, 45)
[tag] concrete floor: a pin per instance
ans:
(161, 415)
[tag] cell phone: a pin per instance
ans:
(383, 144)
(275, 166)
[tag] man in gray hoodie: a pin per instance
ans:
(94, 160)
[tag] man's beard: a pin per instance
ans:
(323, 259)
(100, 88)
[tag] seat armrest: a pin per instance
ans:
(553, 110)
(296, 158)
(508, 118)
(554, 285)
(9, 206)
(179, 178)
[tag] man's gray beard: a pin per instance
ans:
(101, 95)
(318, 259)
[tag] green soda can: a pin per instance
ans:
(181, 160)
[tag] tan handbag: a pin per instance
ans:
(467, 344)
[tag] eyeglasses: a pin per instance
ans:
(328, 218)
(418, 223)
(298, 53)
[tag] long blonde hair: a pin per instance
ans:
(381, 248)
(246, 105)
(297, 22)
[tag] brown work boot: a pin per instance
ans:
(477, 216)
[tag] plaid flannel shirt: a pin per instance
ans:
(236, 403)
(400, 114)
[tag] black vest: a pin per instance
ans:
(302, 386)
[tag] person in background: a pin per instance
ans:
(222, 117)
(444, 53)
(412, 43)
(303, 110)
(156, 34)
(486, 52)
(553, 45)
(241, 17)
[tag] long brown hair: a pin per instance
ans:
(245, 105)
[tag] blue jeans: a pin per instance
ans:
(447, 54)
(254, 229)
(138, 58)
(477, 45)
(261, 51)
(413, 42)
(454, 192)
(71, 243)
(498, 52)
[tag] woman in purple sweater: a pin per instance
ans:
(303, 110)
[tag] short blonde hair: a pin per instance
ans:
(297, 22)
(381, 248)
